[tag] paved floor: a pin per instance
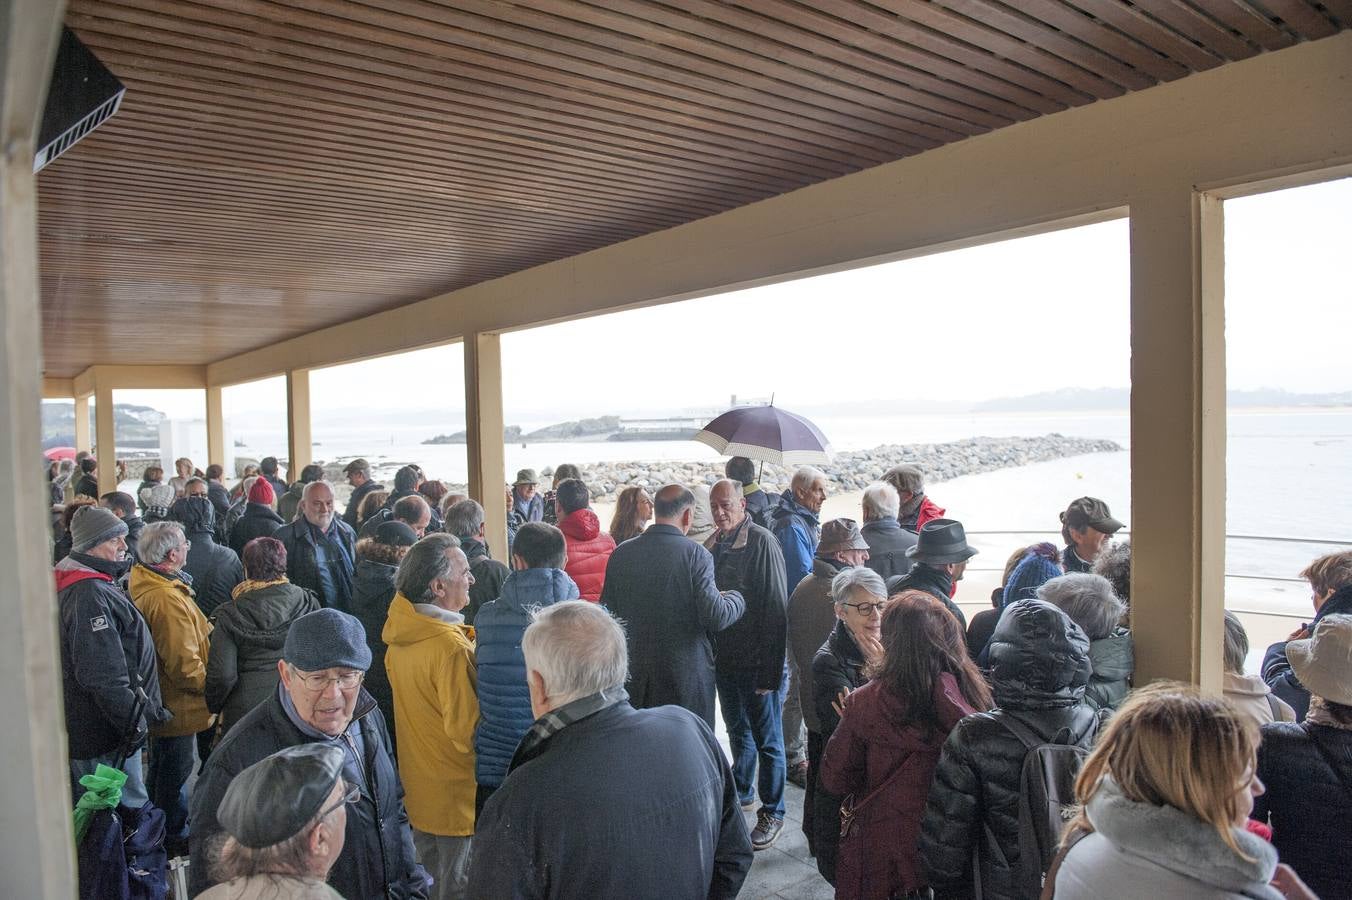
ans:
(785, 871)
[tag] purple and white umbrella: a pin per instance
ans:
(769, 434)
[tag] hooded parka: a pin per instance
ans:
(215, 570)
(246, 645)
(1040, 662)
(258, 520)
(430, 662)
(589, 550)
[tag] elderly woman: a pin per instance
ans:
(633, 509)
(1249, 693)
(250, 631)
(858, 597)
(1330, 579)
(1090, 603)
(284, 821)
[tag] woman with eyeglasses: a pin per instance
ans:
(882, 756)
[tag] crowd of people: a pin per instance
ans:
(376, 707)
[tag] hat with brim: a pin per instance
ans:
(357, 465)
(1091, 512)
(526, 476)
(1323, 662)
(942, 541)
(841, 534)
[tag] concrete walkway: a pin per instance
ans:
(785, 871)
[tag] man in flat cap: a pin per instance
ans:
(320, 699)
(283, 822)
(1086, 526)
(358, 474)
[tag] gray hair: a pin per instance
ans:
(881, 501)
(314, 486)
(1087, 599)
(1236, 644)
(906, 478)
(1114, 564)
(425, 562)
(465, 519)
(860, 577)
(804, 478)
(578, 648)
(157, 539)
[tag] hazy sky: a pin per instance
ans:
(1017, 317)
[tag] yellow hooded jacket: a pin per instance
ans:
(180, 633)
(430, 662)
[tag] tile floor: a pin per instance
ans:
(785, 871)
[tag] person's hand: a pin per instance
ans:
(871, 647)
(1300, 634)
(838, 704)
(1286, 881)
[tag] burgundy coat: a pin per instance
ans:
(881, 860)
(589, 550)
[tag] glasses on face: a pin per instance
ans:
(867, 609)
(352, 795)
(318, 682)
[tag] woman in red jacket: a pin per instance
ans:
(589, 547)
(883, 753)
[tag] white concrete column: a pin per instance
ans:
(215, 426)
(1177, 435)
(82, 441)
(297, 422)
(36, 850)
(483, 436)
(105, 439)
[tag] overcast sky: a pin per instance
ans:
(1017, 317)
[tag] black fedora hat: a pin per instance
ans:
(942, 541)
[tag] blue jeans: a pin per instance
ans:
(171, 760)
(133, 792)
(754, 733)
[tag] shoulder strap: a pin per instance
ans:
(1072, 838)
(1026, 735)
(885, 782)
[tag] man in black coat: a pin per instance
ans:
(320, 548)
(406, 483)
(465, 520)
(749, 654)
(122, 505)
(108, 663)
(358, 474)
(940, 555)
(215, 570)
(320, 700)
(887, 541)
(582, 812)
(661, 585)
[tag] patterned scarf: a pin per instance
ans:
(249, 584)
(554, 721)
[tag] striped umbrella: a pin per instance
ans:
(769, 434)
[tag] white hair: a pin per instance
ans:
(881, 501)
(1088, 600)
(578, 648)
(852, 578)
(157, 539)
(805, 476)
(314, 486)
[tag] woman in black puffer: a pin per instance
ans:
(1040, 668)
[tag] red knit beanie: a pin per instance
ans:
(262, 492)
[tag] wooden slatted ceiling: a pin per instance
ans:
(282, 166)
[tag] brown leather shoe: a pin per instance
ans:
(766, 831)
(797, 774)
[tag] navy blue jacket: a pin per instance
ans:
(1277, 671)
(661, 585)
(623, 803)
(798, 531)
(504, 699)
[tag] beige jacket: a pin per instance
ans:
(271, 887)
(1253, 698)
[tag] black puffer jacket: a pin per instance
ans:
(489, 574)
(246, 645)
(259, 520)
(1309, 801)
(1040, 662)
(215, 570)
(372, 591)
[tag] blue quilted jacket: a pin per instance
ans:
(504, 699)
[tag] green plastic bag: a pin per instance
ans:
(103, 791)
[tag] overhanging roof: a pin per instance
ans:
(279, 167)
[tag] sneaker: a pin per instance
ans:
(797, 774)
(766, 831)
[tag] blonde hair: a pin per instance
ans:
(1169, 745)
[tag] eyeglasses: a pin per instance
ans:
(319, 682)
(352, 796)
(867, 609)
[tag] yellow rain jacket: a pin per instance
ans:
(432, 672)
(180, 633)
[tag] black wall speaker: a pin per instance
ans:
(83, 95)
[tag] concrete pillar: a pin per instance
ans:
(1177, 435)
(37, 853)
(82, 441)
(297, 421)
(483, 433)
(105, 440)
(215, 427)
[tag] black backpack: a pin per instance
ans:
(1046, 800)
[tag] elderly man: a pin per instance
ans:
(887, 540)
(662, 586)
(108, 664)
(162, 592)
(406, 483)
(285, 817)
(413, 510)
(320, 548)
(320, 699)
(465, 521)
(758, 503)
(430, 662)
(940, 555)
(916, 509)
(358, 474)
(123, 505)
(1086, 526)
(599, 794)
(749, 655)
